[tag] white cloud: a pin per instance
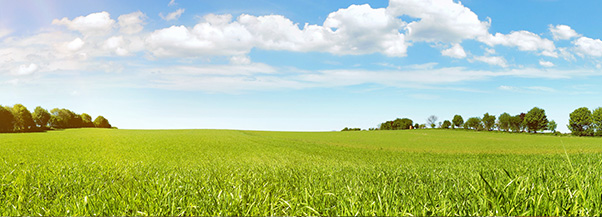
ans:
(492, 60)
(93, 24)
(562, 32)
(75, 45)
(131, 23)
(361, 29)
(173, 15)
(524, 41)
(585, 46)
(172, 3)
(440, 20)
(240, 60)
(209, 38)
(27, 69)
(456, 51)
(546, 63)
(356, 30)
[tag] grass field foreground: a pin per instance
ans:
(225, 172)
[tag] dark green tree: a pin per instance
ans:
(488, 121)
(580, 122)
(473, 123)
(536, 120)
(41, 117)
(446, 124)
(101, 122)
(458, 121)
(516, 123)
(23, 119)
(7, 120)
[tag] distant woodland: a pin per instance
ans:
(18, 119)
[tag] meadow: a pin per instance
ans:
(227, 172)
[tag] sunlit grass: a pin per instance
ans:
(218, 172)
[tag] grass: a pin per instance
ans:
(221, 172)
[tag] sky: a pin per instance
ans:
(300, 65)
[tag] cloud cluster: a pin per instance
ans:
(355, 30)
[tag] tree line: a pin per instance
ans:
(582, 122)
(19, 119)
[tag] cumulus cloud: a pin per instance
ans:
(562, 32)
(93, 24)
(492, 60)
(356, 30)
(173, 15)
(215, 36)
(439, 20)
(546, 63)
(456, 51)
(361, 29)
(172, 3)
(524, 41)
(585, 46)
(131, 23)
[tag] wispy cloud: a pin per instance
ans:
(173, 15)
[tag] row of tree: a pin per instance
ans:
(584, 122)
(19, 119)
(533, 121)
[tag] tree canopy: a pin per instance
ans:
(101, 122)
(7, 120)
(580, 122)
(458, 121)
(473, 123)
(19, 119)
(41, 116)
(536, 120)
(504, 121)
(488, 121)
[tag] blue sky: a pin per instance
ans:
(299, 65)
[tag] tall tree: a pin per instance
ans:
(101, 122)
(23, 119)
(488, 121)
(457, 121)
(432, 120)
(41, 117)
(536, 120)
(597, 121)
(504, 121)
(580, 122)
(7, 120)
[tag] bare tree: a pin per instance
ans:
(432, 120)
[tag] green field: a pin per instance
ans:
(223, 172)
